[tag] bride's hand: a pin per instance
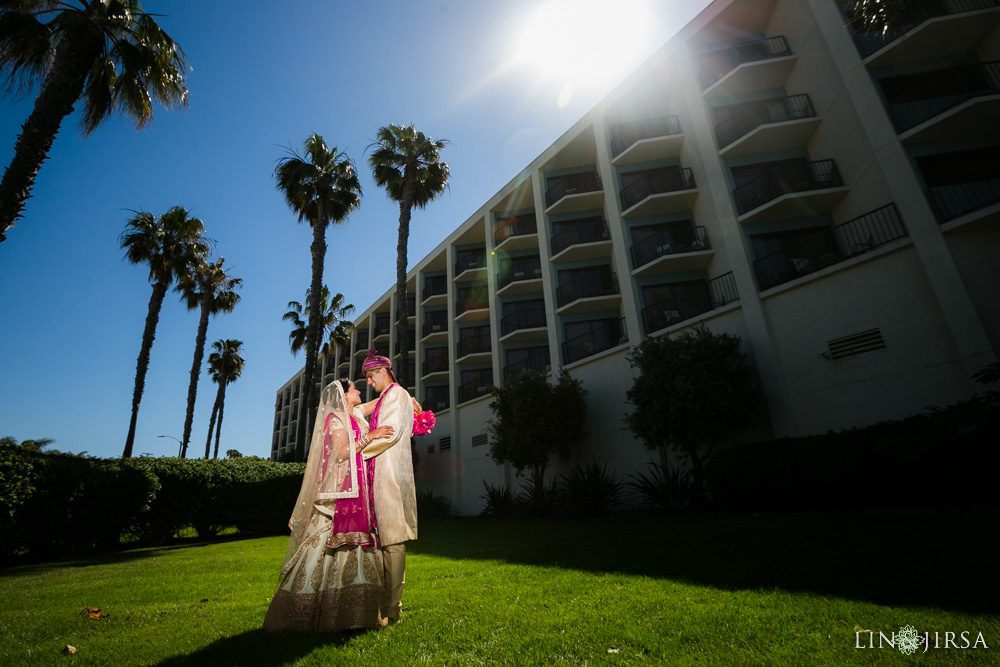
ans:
(416, 406)
(380, 432)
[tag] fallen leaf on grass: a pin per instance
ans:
(858, 628)
(68, 650)
(842, 622)
(93, 614)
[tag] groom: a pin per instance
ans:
(393, 490)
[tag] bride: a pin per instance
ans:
(332, 577)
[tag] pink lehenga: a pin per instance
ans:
(332, 577)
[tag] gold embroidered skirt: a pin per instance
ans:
(329, 590)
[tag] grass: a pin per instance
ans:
(697, 589)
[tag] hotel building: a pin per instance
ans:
(832, 197)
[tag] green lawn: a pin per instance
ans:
(698, 589)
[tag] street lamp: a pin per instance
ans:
(179, 443)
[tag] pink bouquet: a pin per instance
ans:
(423, 422)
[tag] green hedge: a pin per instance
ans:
(54, 504)
(942, 457)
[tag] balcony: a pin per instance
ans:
(435, 290)
(516, 232)
(769, 125)
(520, 276)
(580, 239)
(603, 335)
(435, 398)
(933, 29)
(645, 140)
(435, 325)
(436, 362)
(411, 334)
(381, 330)
(830, 246)
(788, 188)
(362, 346)
(657, 191)
(344, 355)
(969, 191)
(477, 343)
(961, 100)
(588, 290)
(527, 359)
(473, 303)
(760, 64)
(523, 320)
(476, 388)
(576, 192)
(690, 302)
(470, 260)
(688, 249)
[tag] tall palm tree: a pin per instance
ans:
(408, 165)
(335, 329)
(225, 365)
(212, 290)
(322, 187)
(109, 54)
(171, 244)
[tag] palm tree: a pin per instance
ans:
(225, 365)
(108, 53)
(171, 244)
(209, 288)
(322, 187)
(335, 329)
(408, 165)
(36, 445)
(878, 16)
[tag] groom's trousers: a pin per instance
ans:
(394, 564)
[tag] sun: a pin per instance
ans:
(585, 43)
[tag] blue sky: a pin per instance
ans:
(263, 76)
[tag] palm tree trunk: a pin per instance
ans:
(218, 425)
(61, 88)
(405, 208)
(142, 364)
(199, 353)
(211, 423)
(309, 395)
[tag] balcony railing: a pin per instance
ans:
(345, 355)
(604, 336)
(691, 302)
(751, 115)
(357, 372)
(526, 318)
(784, 179)
(475, 388)
(966, 191)
(470, 260)
(587, 285)
(561, 186)
(830, 246)
(435, 285)
(471, 298)
(943, 90)
(669, 242)
(718, 64)
(869, 41)
(580, 232)
(435, 398)
(434, 324)
(435, 364)
(623, 135)
(657, 182)
(517, 271)
(381, 326)
(515, 225)
(362, 340)
(474, 344)
(536, 361)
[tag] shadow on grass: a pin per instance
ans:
(23, 565)
(928, 558)
(259, 647)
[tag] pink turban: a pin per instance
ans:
(375, 360)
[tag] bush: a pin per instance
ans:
(588, 491)
(944, 456)
(502, 502)
(661, 492)
(431, 506)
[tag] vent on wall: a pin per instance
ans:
(478, 440)
(430, 449)
(859, 343)
(444, 443)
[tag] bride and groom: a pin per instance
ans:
(345, 562)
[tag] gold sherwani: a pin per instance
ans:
(394, 490)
